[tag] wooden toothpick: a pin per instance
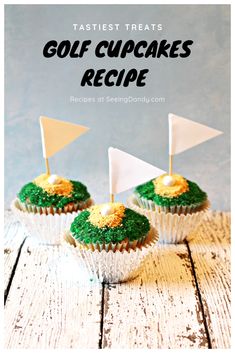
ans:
(170, 163)
(112, 198)
(47, 166)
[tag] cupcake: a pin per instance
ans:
(173, 204)
(110, 241)
(48, 204)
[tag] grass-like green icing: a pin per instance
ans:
(194, 196)
(35, 195)
(133, 227)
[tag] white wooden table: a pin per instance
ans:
(180, 300)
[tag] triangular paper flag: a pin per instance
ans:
(57, 133)
(184, 134)
(127, 171)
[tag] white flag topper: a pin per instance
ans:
(127, 171)
(56, 134)
(185, 133)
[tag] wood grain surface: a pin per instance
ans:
(48, 307)
(210, 251)
(180, 300)
(14, 237)
(160, 309)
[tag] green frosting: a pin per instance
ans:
(35, 195)
(192, 197)
(133, 226)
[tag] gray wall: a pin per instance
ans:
(197, 87)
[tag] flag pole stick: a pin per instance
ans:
(112, 198)
(47, 166)
(170, 163)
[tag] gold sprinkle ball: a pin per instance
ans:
(107, 215)
(60, 186)
(179, 186)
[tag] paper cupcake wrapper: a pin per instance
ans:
(152, 206)
(171, 228)
(110, 266)
(55, 210)
(46, 227)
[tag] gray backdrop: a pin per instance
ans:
(197, 87)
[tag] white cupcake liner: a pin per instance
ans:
(46, 227)
(171, 228)
(152, 206)
(110, 266)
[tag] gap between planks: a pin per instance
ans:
(12, 273)
(199, 296)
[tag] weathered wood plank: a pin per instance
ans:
(210, 251)
(159, 309)
(14, 236)
(47, 306)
